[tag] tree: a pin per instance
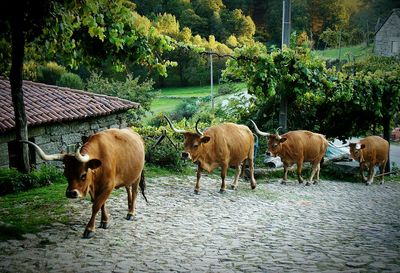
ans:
(77, 32)
(21, 20)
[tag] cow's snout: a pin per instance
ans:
(185, 155)
(72, 194)
(268, 153)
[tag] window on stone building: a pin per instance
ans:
(12, 154)
(395, 47)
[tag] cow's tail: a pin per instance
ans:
(142, 185)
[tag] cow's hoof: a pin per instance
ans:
(130, 217)
(283, 182)
(222, 191)
(104, 225)
(382, 182)
(308, 184)
(88, 234)
(315, 182)
(368, 183)
(253, 187)
(196, 192)
(233, 187)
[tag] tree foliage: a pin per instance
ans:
(320, 99)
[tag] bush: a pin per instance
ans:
(130, 89)
(71, 80)
(164, 154)
(50, 73)
(185, 109)
(227, 88)
(12, 181)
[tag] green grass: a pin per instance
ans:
(30, 211)
(187, 92)
(358, 51)
(170, 97)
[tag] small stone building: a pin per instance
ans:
(57, 117)
(387, 36)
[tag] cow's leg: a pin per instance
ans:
(362, 168)
(104, 217)
(132, 204)
(371, 173)
(237, 174)
(198, 175)
(315, 169)
(382, 170)
(251, 166)
(299, 168)
(97, 204)
(285, 171)
(224, 170)
(318, 171)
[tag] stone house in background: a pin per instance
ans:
(387, 36)
(57, 117)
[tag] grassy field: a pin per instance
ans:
(169, 98)
(359, 52)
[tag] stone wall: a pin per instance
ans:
(53, 138)
(389, 33)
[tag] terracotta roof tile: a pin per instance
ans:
(49, 104)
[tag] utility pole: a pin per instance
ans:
(212, 83)
(286, 14)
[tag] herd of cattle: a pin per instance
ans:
(115, 158)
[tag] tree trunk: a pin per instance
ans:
(18, 44)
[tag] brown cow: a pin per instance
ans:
(109, 159)
(296, 147)
(370, 151)
(225, 145)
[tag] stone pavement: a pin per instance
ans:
(329, 227)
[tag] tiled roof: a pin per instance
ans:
(49, 104)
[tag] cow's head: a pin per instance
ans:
(356, 151)
(193, 143)
(78, 169)
(275, 144)
(274, 140)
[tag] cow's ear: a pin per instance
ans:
(93, 164)
(283, 139)
(205, 139)
(362, 146)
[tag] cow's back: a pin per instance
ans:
(376, 148)
(302, 143)
(121, 152)
(231, 140)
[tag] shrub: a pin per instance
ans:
(13, 181)
(71, 80)
(227, 88)
(164, 154)
(130, 89)
(50, 73)
(185, 109)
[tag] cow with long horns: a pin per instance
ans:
(109, 159)
(297, 147)
(224, 145)
(371, 151)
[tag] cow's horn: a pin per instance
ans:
(277, 132)
(80, 157)
(200, 133)
(42, 154)
(258, 131)
(172, 126)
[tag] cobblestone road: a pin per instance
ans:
(330, 227)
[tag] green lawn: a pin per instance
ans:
(170, 97)
(358, 51)
(184, 92)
